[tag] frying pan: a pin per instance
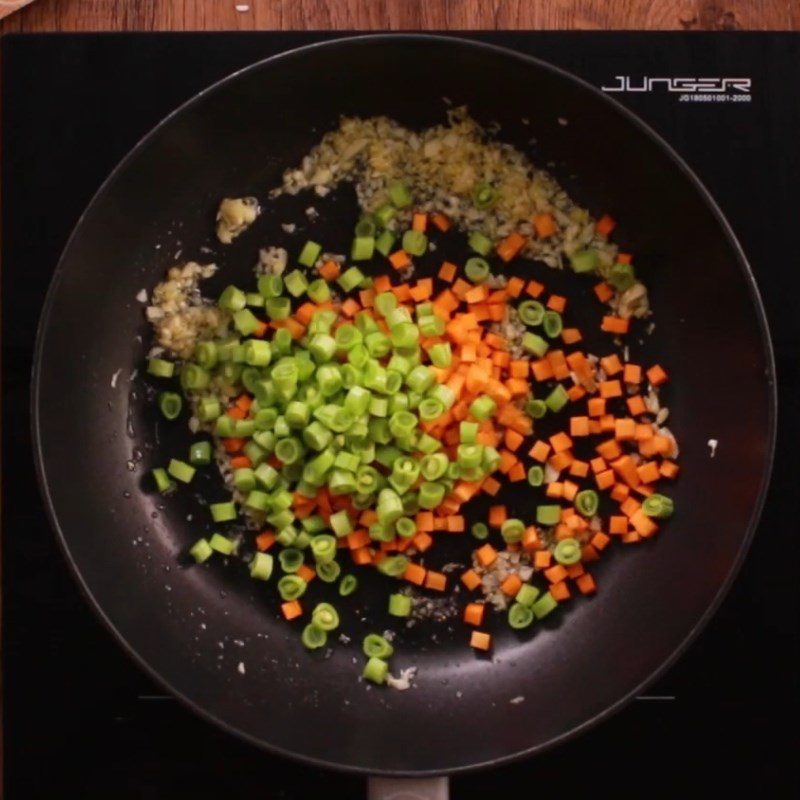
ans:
(96, 435)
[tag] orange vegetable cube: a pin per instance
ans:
(486, 555)
(474, 613)
(656, 375)
(542, 559)
(291, 609)
(579, 426)
(586, 584)
(436, 581)
(471, 579)
(560, 591)
(415, 574)
(480, 640)
(511, 585)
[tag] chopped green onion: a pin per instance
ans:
(163, 483)
(399, 605)
(328, 571)
(483, 195)
(567, 552)
(201, 551)
(399, 195)
(531, 343)
(223, 512)
(587, 502)
(531, 312)
(362, 249)
(544, 605)
(622, 277)
(535, 408)
(557, 399)
(348, 585)
(222, 544)
(309, 254)
(415, 243)
(181, 471)
(393, 566)
(385, 242)
(325, 616)
(527, 595)
(482, 407)
(552, 324)
(160, 368)
(584, 260)
(480, 531)
(313, 637)
(659, 506)
(232, 299)
(295, 283)
(512, 530)
(323, 547)
(376, 646)
(519, 616)
(535, 475)
(548, 515)
(278, 308)
(477, 269)
(290, 587)
(261, 566)
(480, 243)
(350, 279)
(170, 404)
(376, 670)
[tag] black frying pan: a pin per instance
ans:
(235, 139)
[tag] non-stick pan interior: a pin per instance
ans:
(193, 627)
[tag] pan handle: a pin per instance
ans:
(408, 789)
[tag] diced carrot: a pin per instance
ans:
(555, 573)
(530, 539)
(477, 294)
(607, 423)
(632, 373)
(419, 221)
(586, 584)
(598, 464)
(534, 289)
(512, 439)
(241, 462)
(605, 225)
(624, 429)
(510, 246)
(291, 609)
(441, 221)
(611, 324)
(643, 431)
(486, 555)
(511, 585)
(560, 591)
(580, 469)
(560, 461)
(265, 540)
(497, 516)
(436, 581)
(557, 302)
(624, 258)
(574, 571)
(631, 538)
(544, 225)
(514, 286)
(636, 405)
(611, 364)
(642, 524)
(579, 426)
(625, 467)
(400, 259)
(570, 335)
(233, 444)
(415, 574)
(260, 331)
(350, 307)
(656, 375)
(358, 539)
(618, 524)
(576, 393)
(620, 492)
(554, 490)
(604, 292)
(518, 369)
(560, 442)
(604, 479)
(648, 472)
(669, 469)
(589, 554)
(610, 389)
(471, 579)
(540, 451)
(330, 271)
(447, 272)
(383, 283)
(474, 613)
(422, 541)
(517, 473)
(480, 640)
(542, 370)
(542, 559)
(456, 523)
(600, 541)
(630, 507)
(307, 573)
(596, 406)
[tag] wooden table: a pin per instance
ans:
(162, 15)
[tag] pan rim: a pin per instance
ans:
(742, 263)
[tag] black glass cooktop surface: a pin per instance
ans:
(80, 717)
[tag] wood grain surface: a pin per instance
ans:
(166, 15)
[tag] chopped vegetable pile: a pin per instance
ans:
(357, 414)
